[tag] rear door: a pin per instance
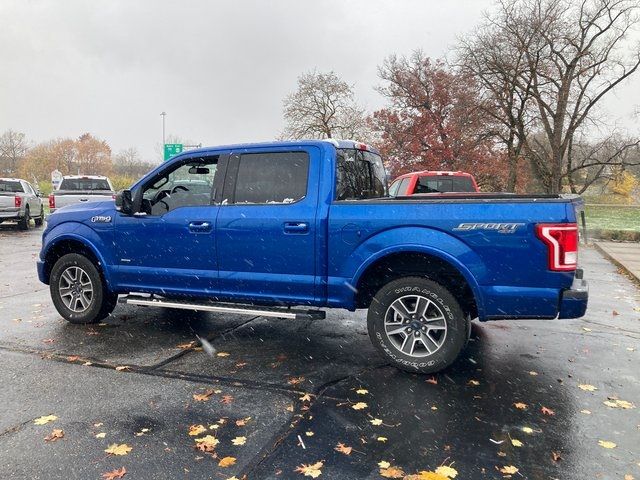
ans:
(266, 227)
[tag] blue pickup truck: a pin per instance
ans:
(284, 229)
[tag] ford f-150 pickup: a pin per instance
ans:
(81, 189)
(284, 229)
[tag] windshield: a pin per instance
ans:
(359, 175)
(10, 186)
(85, 184)
(440, 184)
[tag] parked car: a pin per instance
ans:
(309, 223)
(81, 189)
(433, 182)
(20, 202)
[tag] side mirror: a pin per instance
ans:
(124, 202)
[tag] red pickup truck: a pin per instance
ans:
(430, 181)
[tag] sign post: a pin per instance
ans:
(171, 150)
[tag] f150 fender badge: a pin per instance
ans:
(101, 219)
(499, 227)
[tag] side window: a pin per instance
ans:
(268, 178)
(190, 184)
(393, 189)
(27, 188)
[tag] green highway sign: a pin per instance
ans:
(171, 150)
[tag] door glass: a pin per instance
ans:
(189, 184)
(271, 178)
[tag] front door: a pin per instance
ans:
(266, 227)
(169, 247)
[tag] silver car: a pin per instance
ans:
(20, 202)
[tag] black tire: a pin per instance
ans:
(40, 220)
(451, 331)
(25, 222)
(101, 303)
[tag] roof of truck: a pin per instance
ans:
(84, 176)
(9, 179)
(338, 143)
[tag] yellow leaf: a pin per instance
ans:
(606, 444)
(376, 421)
(587, 387)
(516, 442)
(45, 419)
(195, 430)
(239, 440)
(342, 448)
(116, 449)
(207, 443)
(527, 429)
(362, 391)
(101, 435)
(223, 354)
(586, 329)
(382, 439)
(309, 434)
(520, 406)
(305, 398)
(509, 469)
(533, 374)
(227, 462)
(474, 383)
(391, 472)
(359, 406)
(423, 475)
(447, 471)
(123, 368)
(383, 464)
(628, 477)
(615, 403)
(313, 470)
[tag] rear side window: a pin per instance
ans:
(267, 178)
(359, 175)
(11, 186)
(84, 184)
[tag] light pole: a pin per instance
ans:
(163, 115)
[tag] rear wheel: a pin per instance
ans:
(417, 325)
(25, 222)
(40, 220)
(78, 290)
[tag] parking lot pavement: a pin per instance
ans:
(525, 394)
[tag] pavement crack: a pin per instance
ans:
(15, 428)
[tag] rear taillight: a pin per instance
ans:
(52, 201)
(561, 240)
(18, 201)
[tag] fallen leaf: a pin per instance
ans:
(424, 475)
(73, 358)
(516, 443)
(114, 474)
(227, 462)
(309, 434)
(446, 471)
(628, 477)
(239, 440)
(55, 435)
(123, 368)
(195, 430)
(362, 391)
(227, 399)
(342, 448)
(383, 464)
(587, 387)
(527, 429)
(376, 421)
(533, 374)
(586, 329)
(615, 313)
(87, 364)
(520, 406)
(295, 380)
(391, 472)
(185, 346)
(606, 444)
(312, 470)
(45, 419)
(142, 432)
(382, 439)
(509, 469)
(207, 443)
(615, 403)
(203, 397)
(243, 421)
(116, 449)
(359, 406)
(555, 456)
(305, 398)
(432, 380)
(101, 435)
(547, 411)
(48, 340)
(222, 354)
(586, 412)
(474, 383)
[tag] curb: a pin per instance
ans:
(616, 262)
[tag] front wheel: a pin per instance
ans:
(78, 290)
(417, 324)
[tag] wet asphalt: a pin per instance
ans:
(278, 394)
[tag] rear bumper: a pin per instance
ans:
(573, 302)
(11, 214)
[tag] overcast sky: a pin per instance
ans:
(220, 69)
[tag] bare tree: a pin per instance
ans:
(323, 106)
(559, 59)
(13, 148)
(129, 163)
